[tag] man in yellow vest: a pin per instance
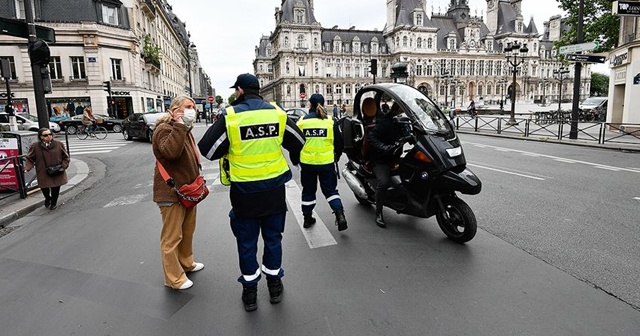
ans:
(322, 148)
(252, 133)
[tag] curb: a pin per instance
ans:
(33, 203)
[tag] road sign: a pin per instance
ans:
(210, 98)
(578, 47)
(630, 8)
(585, 58)
(19, 28)
(636, 79)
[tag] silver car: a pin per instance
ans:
(27, 122)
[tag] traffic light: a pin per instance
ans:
(107, 86)
(373, 68)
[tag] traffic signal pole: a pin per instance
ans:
(36, 69)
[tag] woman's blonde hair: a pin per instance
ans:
(321, 112)
(175, 104)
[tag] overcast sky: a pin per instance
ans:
(226, 32)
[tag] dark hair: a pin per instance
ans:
(42, 130)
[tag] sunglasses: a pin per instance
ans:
(48, 134)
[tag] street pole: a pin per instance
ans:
(6, 74)
(36, 69)
(573, 134)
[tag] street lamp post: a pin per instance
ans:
(446, 76)
(502, 83)
(454, 82)
(512, 51)
(545, 83)
(559, 74)
(188, 47)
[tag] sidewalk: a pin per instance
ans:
(13, 207)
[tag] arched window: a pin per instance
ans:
(288, 90)
(316, 68)
(480, 90)
(286, 41)
(286, 66)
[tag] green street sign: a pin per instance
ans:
(19, 28)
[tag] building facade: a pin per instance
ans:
(140, 46)
(624, 81)
(454, 56)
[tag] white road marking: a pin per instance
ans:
(126, 200)
(595, 165)
(506, 172)
(318, 235)
(88, 152)
(637, 198)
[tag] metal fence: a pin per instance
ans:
(599, 132)
(16, 163)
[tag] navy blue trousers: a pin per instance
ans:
(326, 174)
(247, 232)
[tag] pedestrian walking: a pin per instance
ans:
(322, 149)
(335, 113)
(51, 161)
(175, 149)
(343, 110)
(252, 133)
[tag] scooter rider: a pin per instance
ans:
(323, 147)
(384, 141)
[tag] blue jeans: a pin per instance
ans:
(247, 231)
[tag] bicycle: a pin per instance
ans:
(98, 132)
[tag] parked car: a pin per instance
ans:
(140, 125)
(110, 123)
(297, 113)
(26, 122)
(594, 109)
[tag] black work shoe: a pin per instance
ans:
(47, 203)
(53, 207)
(380, 220)
(341, 221)
(275, 290)
(308, 221)
(249, 298)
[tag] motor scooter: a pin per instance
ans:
(431, 167)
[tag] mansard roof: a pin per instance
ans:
(73, 11)
(262, 46)
(288, 14)
(404, 14)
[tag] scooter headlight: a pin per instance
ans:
(453, 152)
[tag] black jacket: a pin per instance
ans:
(382, 139)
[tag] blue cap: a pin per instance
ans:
(246, 81)
(316, 98)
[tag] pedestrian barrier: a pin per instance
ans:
(14, 162)
(556, 126)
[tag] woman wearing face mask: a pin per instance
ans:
(174, 147)
(47, 153)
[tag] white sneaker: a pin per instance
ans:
(186, 284)
(198, 267)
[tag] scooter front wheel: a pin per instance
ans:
(456, 220)
(362, 201)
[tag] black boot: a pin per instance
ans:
(308, 221)
(275, 290)
(380, 219)
(249, 298)
(47, 202)
(341, 221)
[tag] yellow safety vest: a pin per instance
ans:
(255, 139)
(318, 149)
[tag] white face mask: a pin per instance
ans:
(189, 116)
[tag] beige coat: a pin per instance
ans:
(41, 156)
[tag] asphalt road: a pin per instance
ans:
(555, 239)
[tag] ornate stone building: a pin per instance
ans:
(140, 46)
(454, 56)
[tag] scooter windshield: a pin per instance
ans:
(426, 112)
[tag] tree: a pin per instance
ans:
(599, 84)
(219, 100)
(232, 97)
(599, 24)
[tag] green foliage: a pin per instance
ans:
(599, 85)
(219, 100)
(151, 49)
(232, 97)
(599, 24)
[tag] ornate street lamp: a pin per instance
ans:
(559, 74)
(512, 51)
(446, 76)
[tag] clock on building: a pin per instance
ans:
(472, 43)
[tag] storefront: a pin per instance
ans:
(623, 85)
(19, 104)
(67, 106)
(121, 104)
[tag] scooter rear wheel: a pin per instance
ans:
(460, 223)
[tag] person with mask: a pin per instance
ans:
(47, 153)
(251, 134)
(383, 140)
(323, 147)
(174, 147)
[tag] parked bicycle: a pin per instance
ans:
(97, 132)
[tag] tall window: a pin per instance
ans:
(301, 41)
(338, 89)
(452, 44)
(429, 70)
(357, 71)
(300, 16)
(77, 68)
(347, 71)
(338, 71)
(419, 20)
(419, 42)
(20, 14)
(430, 43)
(472, 67)
(55, 67)
(405, 41)
(419, 70)
(12, 65)
(116, 69)
(347, 89)
(110, 15)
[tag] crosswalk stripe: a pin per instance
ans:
(94, 146)
(318, 235)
